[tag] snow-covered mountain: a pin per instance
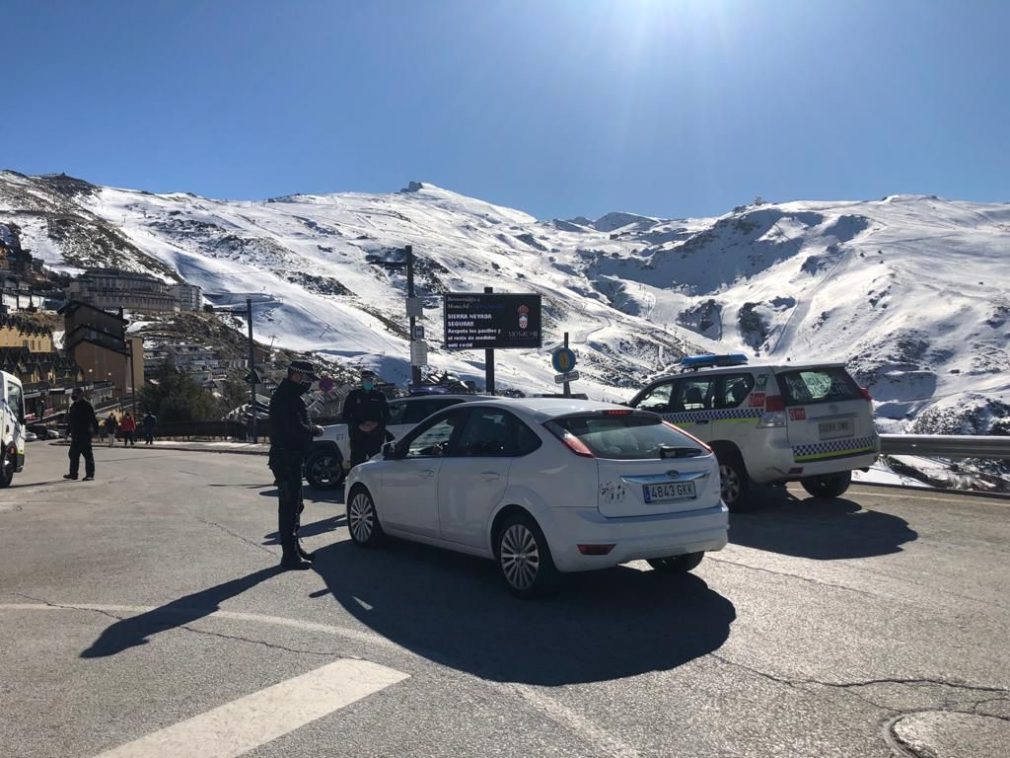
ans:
(911, 291)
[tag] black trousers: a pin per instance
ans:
(81, 446)
(365, 444)
(129, 437)
(287, 471)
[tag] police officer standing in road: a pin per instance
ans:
(366, 414)
(82, 424)
(291, 435)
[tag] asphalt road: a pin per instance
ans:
(142, 614)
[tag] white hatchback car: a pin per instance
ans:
(543, 485)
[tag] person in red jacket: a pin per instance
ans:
(129, 430)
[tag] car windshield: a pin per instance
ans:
(626, 436)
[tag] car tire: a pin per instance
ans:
(734, 483)
(7, 464)
(676, 564)
(324, 470)
(524, 558)
(362, 519)
(827, 486)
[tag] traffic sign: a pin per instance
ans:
(418, 333)
(415, 307)
(571, 376)
(563, 359)
(418, 353)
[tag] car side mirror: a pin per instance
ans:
(389, 451)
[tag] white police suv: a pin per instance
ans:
(770, 423)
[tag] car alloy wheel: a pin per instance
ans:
(7, 458)
(324, 471)
(729, 479)
(519, 557)
(362, 522)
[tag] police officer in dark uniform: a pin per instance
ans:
(366, 414)
(291, 434)
(82, 424)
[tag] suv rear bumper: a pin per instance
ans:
(633, 537)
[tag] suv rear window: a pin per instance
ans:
(822, 385)
(627, 437)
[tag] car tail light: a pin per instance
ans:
(595, 549)
(576, 445)
(618, 412)
(698, 442)
(774, 416)
(865, 392)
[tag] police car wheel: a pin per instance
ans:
(7, 463)
(827, 486)
(324, 471)
(734, 482)
(676, 564)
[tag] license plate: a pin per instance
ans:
(832, 429)
(664, 492)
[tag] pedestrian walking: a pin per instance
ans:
(150, 424)
(291, 434)
(129, 428)
(366, 414)
(82, 424)
(111, 425)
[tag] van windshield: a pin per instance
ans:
(822, 385)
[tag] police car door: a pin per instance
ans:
(692, 401)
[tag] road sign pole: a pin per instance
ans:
(252, 368)
(567, 387)
(489, 361)
(415, 371)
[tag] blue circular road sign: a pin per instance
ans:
(563, 360)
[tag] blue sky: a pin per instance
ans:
(558, 107)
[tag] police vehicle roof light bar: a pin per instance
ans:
(708, 360)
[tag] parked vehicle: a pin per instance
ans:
(12, 427)
(544, 485)
(325, 467)
(770, 423)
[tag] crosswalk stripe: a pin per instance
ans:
(244, 724)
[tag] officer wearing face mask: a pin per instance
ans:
(366, 415)
(291, 435)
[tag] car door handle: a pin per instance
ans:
(701, 421)
(490, 475)
(426, 473)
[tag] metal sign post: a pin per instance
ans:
(489, 360)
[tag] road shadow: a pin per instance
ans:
(452, 609)
(137, 630)
(824, 530)
(311, 530)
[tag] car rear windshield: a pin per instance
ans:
(820, 385)
(637, 436)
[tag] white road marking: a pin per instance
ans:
(242, 725)
(565, 717)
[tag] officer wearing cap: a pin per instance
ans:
(291, 434)
(366, 414)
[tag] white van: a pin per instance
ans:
(767, 423)
(12, 427)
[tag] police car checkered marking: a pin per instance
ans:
(724, 414)
(832, 448)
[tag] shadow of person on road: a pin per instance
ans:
(452, 609)
(311, 530)
(814, 528)
(136, 630)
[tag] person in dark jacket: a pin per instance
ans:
(150, 423)
(111, 425)
(291, 435)
(82, 424)
(366, 414)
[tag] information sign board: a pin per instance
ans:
(491, 321)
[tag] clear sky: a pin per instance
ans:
(557, 107)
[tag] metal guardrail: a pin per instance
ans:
(946, 445)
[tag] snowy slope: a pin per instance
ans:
(910, 290)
